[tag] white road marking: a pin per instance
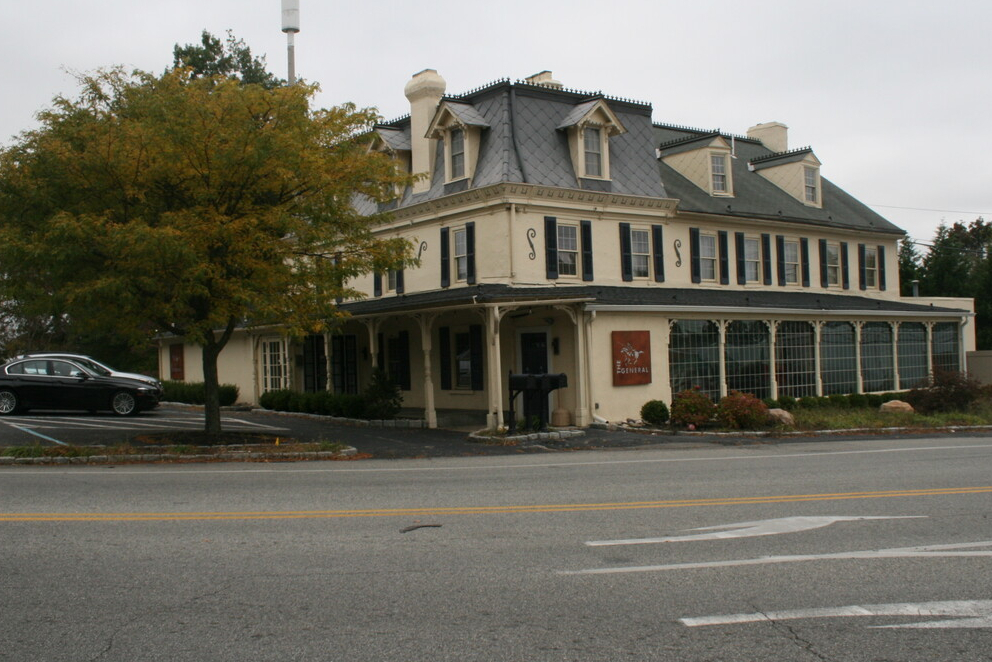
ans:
(925, 551)
(766, 527)
(970, 614)
(113, 423)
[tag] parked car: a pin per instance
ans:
(56, 383)
(94, 366)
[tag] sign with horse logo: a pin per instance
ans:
(631, 357)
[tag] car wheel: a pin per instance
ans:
(8, 402)
(124, 404)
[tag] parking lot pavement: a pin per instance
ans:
(79, 429)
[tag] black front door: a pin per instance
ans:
(314, 364)
(534, 361)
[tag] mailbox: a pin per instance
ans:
(535, 388)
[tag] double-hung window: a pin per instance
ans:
(593, 148)
(833, 264)
(461, 255)
(791, 260)
(707, 257)
(457, 153)
(811, 185)
(640, 253)
(871, 267)
(568, 250)
(463, 360)
(752, 260)
(391, 280)
(718, 171)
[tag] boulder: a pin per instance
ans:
(896, 406)
(781, 417)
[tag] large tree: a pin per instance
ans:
(191, 205)
(230, 58)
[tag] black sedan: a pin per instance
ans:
(50, 383)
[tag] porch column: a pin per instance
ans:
(895, 354)
(772, 342)
(373, 326)
(817, 364)
(722, 348)
(494, 381)
(857, 356)
(426, 321)
(581, 356)
(929, 327)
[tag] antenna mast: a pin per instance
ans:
(291, 25)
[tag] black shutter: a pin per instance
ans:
(658, 251)
(400, 288)
(804, 259)
(862, 276)
(403, 378)
(694, 254)
(475, 345)
(881, 268)
(551, 246)
(337, 364)
(845, 266)
(780, 250)
(585, 229)
(626, 261)
(470, 252)
(377, 284)
(444, 352)
(724, 257)
(741, 266)
(823, 264)
(445, 259)
(766, 258)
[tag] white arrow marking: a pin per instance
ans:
(979, 613)
(927, 551)
(767, 527)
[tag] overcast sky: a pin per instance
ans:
(894, 97)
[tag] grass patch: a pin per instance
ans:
(834, 418)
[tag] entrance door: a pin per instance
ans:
(314, 364)
(534, 361)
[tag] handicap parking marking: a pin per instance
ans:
(965, 613)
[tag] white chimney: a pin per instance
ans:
(544, 78)
(773, 135)
(424, 91)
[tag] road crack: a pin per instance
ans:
(804, 644)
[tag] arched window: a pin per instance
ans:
(694, 357)
(747, 356)
(795, 359)
(838, 360)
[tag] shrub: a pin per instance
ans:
(947, 391)
(786, 402)
(655, 412)
(839, 401)
(692, 407)
(857, 401)
(382, 397)
(194, 393)
(875, 400)
(771, 403)
(742, 411)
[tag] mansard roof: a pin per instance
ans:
(755, 196)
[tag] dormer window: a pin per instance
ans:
(590, 126)
(592, 142)
(457, 153)
(718, 174)
(459, 126)
(812, 179)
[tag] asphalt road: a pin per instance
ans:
(841, 550)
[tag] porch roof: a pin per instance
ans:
(642, 297)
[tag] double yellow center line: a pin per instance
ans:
(481, 510)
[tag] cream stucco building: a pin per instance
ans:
(562, 231)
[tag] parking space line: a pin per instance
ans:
(38, 434)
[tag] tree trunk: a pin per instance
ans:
(211, 389)
(211, 382)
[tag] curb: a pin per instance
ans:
(229, 456)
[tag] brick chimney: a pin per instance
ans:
(773, 135)
(424, 91)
